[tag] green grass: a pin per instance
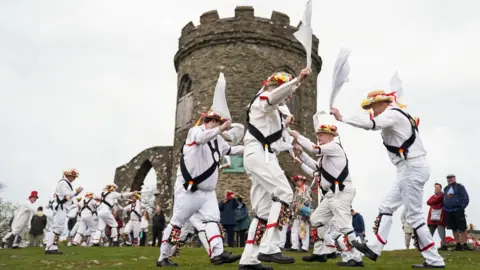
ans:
(195, 258)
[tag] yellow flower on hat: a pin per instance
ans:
(278, 79)
(331, 129)
(379, 96)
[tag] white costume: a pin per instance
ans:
(407, 153)
(271, 193)
(337, 188)
(105, 215)
(64, 193)
(197, 175)
(21, 221)
(86, 224)
(49, 214)
(135, 209)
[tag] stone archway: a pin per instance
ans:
(131, 176)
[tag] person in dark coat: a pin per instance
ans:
(358, 225)
(37, 225)
(158, 225)
(455, 200)
(243, 222)
(227, 215)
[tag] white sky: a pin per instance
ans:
(89, 84)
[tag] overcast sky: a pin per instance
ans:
(89, 84)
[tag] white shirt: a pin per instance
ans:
(112, 198)
(90, 202)
(138, 207)
(62, 191)
(25, 211)
(395, 128)
(264, 113)
(331, 155)
(198, 156)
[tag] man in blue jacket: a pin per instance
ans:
(455, 200)
(358, 225)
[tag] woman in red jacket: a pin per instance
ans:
(436, 215)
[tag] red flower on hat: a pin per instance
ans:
(333, 128)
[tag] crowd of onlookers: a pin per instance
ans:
(446, 212)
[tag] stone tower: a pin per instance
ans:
(247, 50)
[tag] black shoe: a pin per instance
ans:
(96, 245)
(459, 247)
(225, 257)
(51, 252)
(254, 267)
(2, 245)
(466, 247)
(291, 250)
(443, 248)
(363, 248)
(426, 265)
(351, 263)
(332, 255)
(166, 263)
(276, 258)
(16, 247)
(115, 243)
(303, 250)
(315, 258)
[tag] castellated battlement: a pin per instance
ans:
(243, 27)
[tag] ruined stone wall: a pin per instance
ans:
(247, 50)
(131, 175)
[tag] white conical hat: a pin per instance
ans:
(235, 134)
(219, 107)
(323, 122)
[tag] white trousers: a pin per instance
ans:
(283, 236)
(337, 206)
(133, 226)
(297, 226)
(408, 191)
(105, 217)
(59, 220)
(202, 204)
(267, 179)
(85, 226)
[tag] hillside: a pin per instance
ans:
(195, 258)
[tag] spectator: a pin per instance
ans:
(455, 200)
(37, 225)
(358, 225)
(144, 228)
(227, 215)
(407, 229)
(243, 222)
(158, 225)
(436, 215)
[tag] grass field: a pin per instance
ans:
(195, 258)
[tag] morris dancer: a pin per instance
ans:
(64, 193)
(197, 177)
(85, 222)
(105, 216)
(21, 219)
(407, 153)
(301, 224)
(336, 185)
(271, 193)
(135, 209)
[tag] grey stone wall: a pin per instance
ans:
(132, 174)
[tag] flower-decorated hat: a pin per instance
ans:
(71, 172)
(298, 177)
(89, 195)
(377, 96)
(277, 79)
(111, 185)
(219, 109)
(322, 124)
